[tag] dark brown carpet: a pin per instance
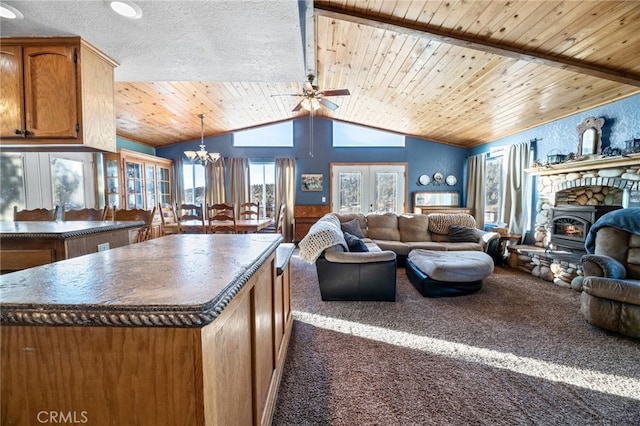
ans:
(518, 352)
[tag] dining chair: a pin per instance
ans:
(249, 211)
(169, 219)
(85, 214)
(146, 216)
(278, 222)
(192, 213)
(222, 218)
(35, 215)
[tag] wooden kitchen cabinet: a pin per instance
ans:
(56, 91)
(137, 181)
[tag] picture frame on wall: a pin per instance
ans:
(312, 182)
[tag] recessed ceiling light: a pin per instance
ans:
(126, 8)
(10, 12)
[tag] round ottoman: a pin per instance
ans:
(448, 273)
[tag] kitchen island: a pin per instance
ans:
(176, 330)
(28, 244)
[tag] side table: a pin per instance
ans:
(504, 242)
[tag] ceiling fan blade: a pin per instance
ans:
(328, 104)
(338, 92)
(297, 107)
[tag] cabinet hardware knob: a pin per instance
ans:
(18, 132)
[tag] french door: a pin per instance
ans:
(368, 188)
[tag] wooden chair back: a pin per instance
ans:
(190, 212)
(222, 218)
(85, 214)
(249, 211)
(168, 218)
(145, 216)
(280, 218)
(35, 215)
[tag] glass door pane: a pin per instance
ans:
(113, 183)
(134, 185)
(368, 188)
(350, 192)
(385, 192)
(150, 182)
(164, 186)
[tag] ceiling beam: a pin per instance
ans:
(412, 29)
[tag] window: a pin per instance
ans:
(262, 181)
(493, 190)
(67, 177)
(194, 183)
(368, 188)
(276, 135)
(12, 191)
(349, 135)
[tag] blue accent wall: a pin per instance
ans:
(422, 157)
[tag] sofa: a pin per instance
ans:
(610, 296)
(383, 239)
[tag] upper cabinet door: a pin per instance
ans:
(11, 104)
(50, 87)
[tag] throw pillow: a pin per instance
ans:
(354, 243)
(352, 227)
(464, 234)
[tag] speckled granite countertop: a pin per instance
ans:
(173, 281)
(60, 230)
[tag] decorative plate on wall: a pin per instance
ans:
(438, 177)
(424, 180)
(451, 180)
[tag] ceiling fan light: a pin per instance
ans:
(310, 103)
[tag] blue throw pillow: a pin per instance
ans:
(354, 243)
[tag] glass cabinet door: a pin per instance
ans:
(150, 185)
(164, 185)
(135, 198)
(113, 183)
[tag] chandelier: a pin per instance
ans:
(202, 156)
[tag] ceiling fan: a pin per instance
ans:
(312, 97)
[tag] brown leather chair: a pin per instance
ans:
(222, 218)
(85, 214)
(35, 215)
(146, 216)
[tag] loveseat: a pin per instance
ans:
(365, 269)
(611, 287)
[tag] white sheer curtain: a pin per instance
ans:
(285, 192)
(517, 188)
(476, 174)
(216, 182)
(238, 180)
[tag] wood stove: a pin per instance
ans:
(570, 224)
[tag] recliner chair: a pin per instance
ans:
(611, 286)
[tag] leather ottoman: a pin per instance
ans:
(448, 273)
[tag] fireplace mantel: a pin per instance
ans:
(600, 162)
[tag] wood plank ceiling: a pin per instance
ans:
(457, 72)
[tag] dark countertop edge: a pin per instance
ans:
(195, 316)
(71, 234)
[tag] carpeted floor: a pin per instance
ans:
(518, 352)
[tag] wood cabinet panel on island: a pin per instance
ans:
(158, 345)
(56, 91)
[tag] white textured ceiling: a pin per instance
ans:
(215, 40)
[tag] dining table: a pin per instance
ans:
(242, 225)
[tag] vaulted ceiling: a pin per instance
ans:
(458, 72)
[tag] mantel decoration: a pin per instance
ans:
(590, 136)
(202, 156)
